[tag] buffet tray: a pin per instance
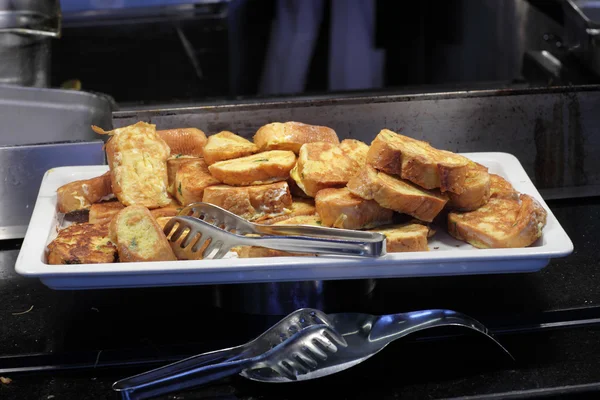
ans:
(447, 256)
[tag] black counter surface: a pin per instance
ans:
(74, 344)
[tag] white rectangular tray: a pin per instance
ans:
(447, 256)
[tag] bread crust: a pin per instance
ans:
(80, 195)
(191, 179)
(82, 244)
(396, 194)
(227, 145)
(339, 208)
(184, 141)
(356, 150)
(408, 237)
(476, 190)
(104, 212)
(292, 135)
(501, 223)
(258, 169)
(139, 238)
(137, 159)
(251, 202)
(322, 166)
(173, 165)
(300, 207)
(418, 162)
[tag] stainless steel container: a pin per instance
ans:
(26, 28)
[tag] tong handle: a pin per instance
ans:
(303, 244)
(318, 231)
(183, 374)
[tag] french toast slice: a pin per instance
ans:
(82, 244)
(103, 212)
(322, 166)
(407, 237)
(397, 194)
(476, 190)
(300, 207)
(173, 164)
(184, 141)
(191, 179)
(139, 237)
(339, 208)
(183, 253)
(227, 145)
(137, 158)
(80, 195)
(356, 150)
(501, 188)
(418, 162)
(170, 210)
(251, 202)
(258, 169)
(292, 135)
(301, 220)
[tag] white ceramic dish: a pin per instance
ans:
(447, 256)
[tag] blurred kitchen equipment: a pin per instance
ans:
(582, 31)
(26, 28)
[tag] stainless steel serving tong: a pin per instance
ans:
(306, 344)
(201, 222)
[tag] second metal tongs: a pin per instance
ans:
(201, 222)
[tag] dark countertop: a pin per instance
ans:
(546, 319)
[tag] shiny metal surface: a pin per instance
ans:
(210, 366)
(219, 216)
(196, 232)
(26, 28)
(23, 168)
(313, 346)
(552, 131)
(366, 335)
(39, 115)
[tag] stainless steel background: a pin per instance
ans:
(23, 168)
(553, 132)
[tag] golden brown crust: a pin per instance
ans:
(137, 159)
(339, 208)
(396, 194)
(406, 237)
(167, 211)
(476, 190)
(103, 213)
(258, 169)
(322, 166)
(139, 237)
(184, 141)
(227, 145)
(80, 195)
(191, 179)
(251, 202)
(292, 135)
(300, 207)
(173, 165)
(82, 244)
(501, 188)
(501, 223)
(418, 162)
(356, 150)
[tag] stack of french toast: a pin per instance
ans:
(290, 173)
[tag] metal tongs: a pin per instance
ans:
(306, 344)
(201, 222)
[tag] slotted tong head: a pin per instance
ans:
(203, 222)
